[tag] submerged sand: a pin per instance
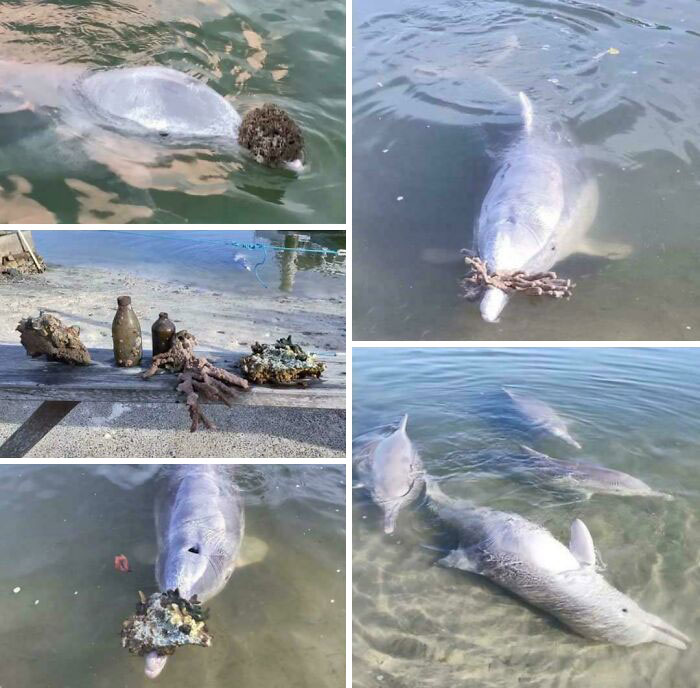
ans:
(87, 297)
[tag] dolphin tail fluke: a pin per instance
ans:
(527, 112)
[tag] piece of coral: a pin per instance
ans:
(46, 334)
(283, 362)
(198, 377)
(271, 136)
(163, 622)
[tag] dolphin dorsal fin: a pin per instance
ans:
(527, 111)
(402, 424)
(581, 543)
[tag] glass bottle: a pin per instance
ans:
(126, 335)
(162, 332)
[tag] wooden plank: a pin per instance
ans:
(41, 422)
(24, 378)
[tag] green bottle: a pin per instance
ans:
(126, 335)
(162, 332)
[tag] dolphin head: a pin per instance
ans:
(629, 624)
(492, 303)
(188, 569)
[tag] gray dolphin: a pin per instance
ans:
(587, 477)
(541, 416)
(199, 527)
(393, 472)
(528, 560)
(154, 103)
(538, 209)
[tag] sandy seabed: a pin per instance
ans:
(87, 297)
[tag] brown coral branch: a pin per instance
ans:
(536, 284)
(198, 378)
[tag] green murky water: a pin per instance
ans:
(280, 621)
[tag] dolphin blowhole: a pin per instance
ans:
(271, 135)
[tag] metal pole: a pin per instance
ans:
(24, 243)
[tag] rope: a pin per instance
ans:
(536, 284)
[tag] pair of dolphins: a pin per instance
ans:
(538, 209)
(517, 554)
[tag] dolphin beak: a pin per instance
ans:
(295, 165)
(492, 303)
(391, 512)
(154, 664)
(666, 634)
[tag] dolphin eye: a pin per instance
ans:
(195, 550)
(623, 609)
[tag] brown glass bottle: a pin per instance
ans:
(162, 332)
(126, 335)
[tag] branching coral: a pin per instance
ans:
(197, 376)
(536, 284)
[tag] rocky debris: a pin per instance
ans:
(15, 265)
(163, 622)
(46, 334)
(197, 376)
(283, 363)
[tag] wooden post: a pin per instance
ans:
(29, 250)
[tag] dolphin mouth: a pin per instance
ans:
(668, 635)
(492, 304)
(154, 665)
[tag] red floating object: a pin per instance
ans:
(121, 563)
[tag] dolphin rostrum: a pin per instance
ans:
(393, 472)
(587, 477)
(199, 527)
(542, 416)
(538, 209)
(528, 560)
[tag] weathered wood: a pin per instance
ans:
(41, 422)
(24, 378)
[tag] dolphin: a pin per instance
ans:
(155, 104)
(199, 527)
(537, 210)
(588, 478)
(526, 559)
(393, 472)
(541, 416)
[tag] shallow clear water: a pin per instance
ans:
(431, 114)
(292, 54)
(205, 258)
(274, 624)
(635, 410)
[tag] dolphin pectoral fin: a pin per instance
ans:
(253, 550)
(459, 559)
(612, 250)
(581, 543)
